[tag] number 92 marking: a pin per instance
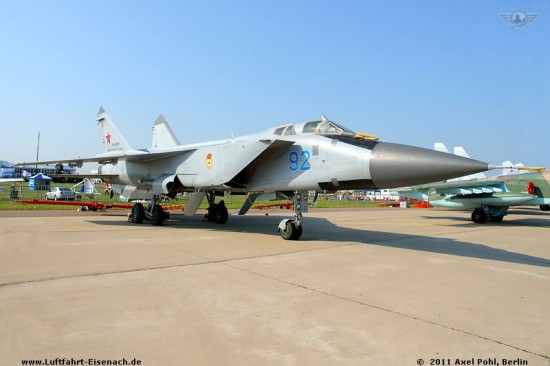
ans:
(295, 159)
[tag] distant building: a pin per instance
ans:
(7, 170)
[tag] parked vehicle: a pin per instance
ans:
(60, 193)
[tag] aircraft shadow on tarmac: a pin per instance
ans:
(320, 229)
(537, 219)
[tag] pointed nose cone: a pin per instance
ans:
(395, 165)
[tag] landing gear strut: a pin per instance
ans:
(292, 229)
(217, 212)
(154, 212)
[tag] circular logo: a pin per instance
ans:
(518, 18)
(209, 161)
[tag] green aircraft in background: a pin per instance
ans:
(489, 198)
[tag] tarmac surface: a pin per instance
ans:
(381, 286)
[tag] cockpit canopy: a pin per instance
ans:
(323, 127)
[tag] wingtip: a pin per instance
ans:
(101, 110)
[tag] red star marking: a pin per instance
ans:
(108, 137)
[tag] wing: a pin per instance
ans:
(135, 155)
(478, 192)
(469, 187)
(505, 17)
(271, 151)
(493, 199)
(452, 189)
(84, 175)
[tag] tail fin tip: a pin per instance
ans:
(160, 120)
(163, 136)
(111, 138)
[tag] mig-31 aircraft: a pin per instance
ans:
(285, 161)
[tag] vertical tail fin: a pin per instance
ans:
(439, 146)
(112, 139)
(508, 168)
(512, 169)
(163, 136)
(459, 151)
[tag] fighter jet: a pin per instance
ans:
(490, 198)
(286, 161)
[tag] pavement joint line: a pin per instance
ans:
(221, 261)
(314, 290)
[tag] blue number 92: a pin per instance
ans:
(294, 160)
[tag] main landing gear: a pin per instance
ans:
(153, 213)
(489, 213)
(217, 212)
(291, 229)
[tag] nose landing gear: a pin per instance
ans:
(291, 229)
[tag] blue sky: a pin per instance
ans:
(414, 72)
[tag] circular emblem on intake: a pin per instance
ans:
(209, 161)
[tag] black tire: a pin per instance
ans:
(157, 215)
(479, 216)
(545, 207)
(496, 218)
(291, 232)
(55, 198)
(221, 214)
(138, 213)
(297, 233)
